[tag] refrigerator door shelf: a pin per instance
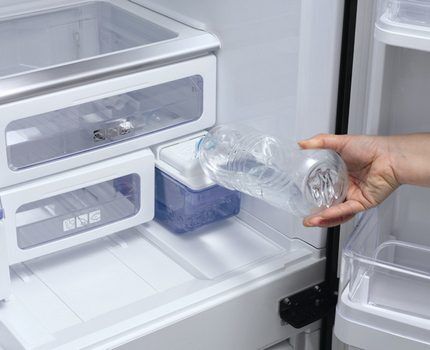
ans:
(404, 23)
(51, 44)
(67, 209)
(386, 284)
(371, 328)
(145, 284)
(78, 126)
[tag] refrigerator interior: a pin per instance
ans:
(113, 290)
(267, 76)
(71, 33)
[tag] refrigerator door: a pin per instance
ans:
(385, 272)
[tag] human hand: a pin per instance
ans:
(372, 176)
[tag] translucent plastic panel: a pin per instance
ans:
(49, 136)
(416, 12)
(182, 209)
(386, 272)
(71, 33)
(74, 212)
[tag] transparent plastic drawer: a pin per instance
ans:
(77, 126)
(61, 133)
(383, 273)
(77, 206)
(77, 211)
(48, 42)
(72, 33)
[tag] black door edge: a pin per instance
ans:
(342, 116)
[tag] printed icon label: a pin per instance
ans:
(95, 216)
(69, 224)
(82, 220)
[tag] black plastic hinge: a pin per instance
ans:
(307, 306)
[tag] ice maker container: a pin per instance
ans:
(185, 198)
(182, 209)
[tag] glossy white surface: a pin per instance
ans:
(140, 162)
(119, 289)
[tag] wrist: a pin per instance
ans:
(396, 160)
(409, 156)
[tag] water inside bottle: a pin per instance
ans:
(322, 185)
(302, 182)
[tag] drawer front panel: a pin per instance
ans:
(64, 132)
(77, 206)
(71, 128)
(77, 211)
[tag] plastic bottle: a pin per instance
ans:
(302, 182)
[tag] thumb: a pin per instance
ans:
(329, 141)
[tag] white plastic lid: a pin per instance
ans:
(178, 159)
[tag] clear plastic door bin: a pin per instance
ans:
(382, 272)
(405, 12)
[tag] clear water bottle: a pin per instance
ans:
(302, 182)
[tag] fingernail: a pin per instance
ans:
(302, 143)
(312, 222)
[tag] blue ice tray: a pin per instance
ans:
(181, 209)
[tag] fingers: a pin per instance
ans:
(331, 222)
(335, 215)
(334, 142)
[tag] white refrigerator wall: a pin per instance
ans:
(277, 70)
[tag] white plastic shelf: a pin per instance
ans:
(404, 23)
(75, 42)
(136, 281)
